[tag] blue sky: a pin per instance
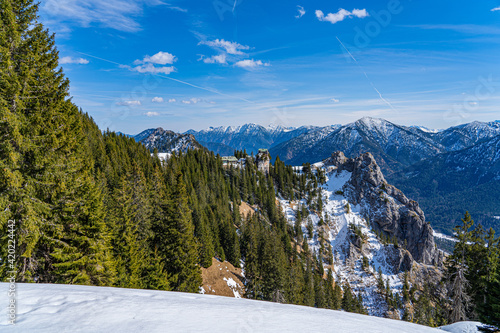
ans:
(137, 64)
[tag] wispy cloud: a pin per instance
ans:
(70, 60)
(151, 114)
(196, 101)
(192, 101)
(179, 9)
(157, 100)
(150, 68)
(250, 63)
(230, 47)
(216, 59)
(301, 12)
(334, 100)
(172, 100)
(129, 103)
(115, 14)
(495, 9)
(341, 15)
(473, 29)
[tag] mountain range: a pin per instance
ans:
(166, 141)
(448, 171)
(249, 137)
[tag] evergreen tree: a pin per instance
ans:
(456, 266)
(178, 246)
(130, 253)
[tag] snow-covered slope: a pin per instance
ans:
(347, 261)
(166, 141)
(466, 135)
(374, 232)
(249, 137)
(463, 327)
(64, 308)
(393, 145)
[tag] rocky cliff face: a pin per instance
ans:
(387, 208)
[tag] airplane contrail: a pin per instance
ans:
(171, 78)
(371, 83)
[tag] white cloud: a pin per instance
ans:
(157, 100)
(160, 58)
(147, 64)
(217, 59)
(192, 101)
(495, 9)
(334, 100)
(250, 63)
(361, 13)
(230, 47)
(150, 68)
(172, 100)
(151, 114)
(129, 103)
(301, 11)
(115, 14)
(70, 60)
(341, 15)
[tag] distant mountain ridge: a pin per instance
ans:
(167, 141)
(250, 137)
(394, 146)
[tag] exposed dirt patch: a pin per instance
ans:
(223, 279)
(246, 209)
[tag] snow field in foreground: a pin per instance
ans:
(65, 308)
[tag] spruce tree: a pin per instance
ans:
(456, 271)
(178, 246)
(129, 250)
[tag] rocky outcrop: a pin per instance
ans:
(262, 160)
(387, 208)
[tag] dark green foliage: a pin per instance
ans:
(48, 185)
(406, 288)
(472, 273)
(365, 264)
(351, 302)
(179, 248)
